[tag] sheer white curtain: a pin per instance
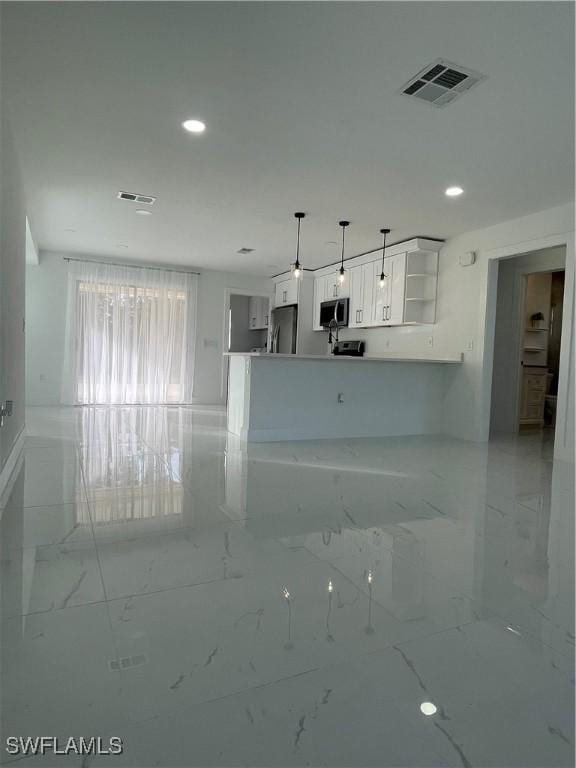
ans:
(130, 335)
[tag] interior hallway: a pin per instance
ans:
(286, 604)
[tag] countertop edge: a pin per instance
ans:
(347, 358)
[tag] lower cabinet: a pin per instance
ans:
(534, 381)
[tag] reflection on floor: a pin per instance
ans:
(397, 602)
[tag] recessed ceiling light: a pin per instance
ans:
(454, 192)
(142, 212)
(194, 126)
(427, 708)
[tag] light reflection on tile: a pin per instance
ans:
(287, 604)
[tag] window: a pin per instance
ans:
(131, 335)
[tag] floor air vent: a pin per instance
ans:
(441, 83)
(133, 197)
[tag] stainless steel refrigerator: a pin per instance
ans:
(284, 327)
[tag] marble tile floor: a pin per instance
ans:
(397, 602)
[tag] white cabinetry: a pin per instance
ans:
(362, 284)
(286, 292)
(389, 298)
(320, 285)
(334, 289)
(258, 313)
(327, 288)
(408, 296)
(420, 294)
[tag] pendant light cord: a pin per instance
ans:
(342, 257)
(384, 233)
(298, 243)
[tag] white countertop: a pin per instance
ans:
(349, 359)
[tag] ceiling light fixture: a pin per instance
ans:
(342, 271)
(382, 275)
(297, 267)
(194, 126)
(427, 708)
(454, 192)
(142, 212)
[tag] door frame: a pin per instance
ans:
(564, 433)
(226, 328)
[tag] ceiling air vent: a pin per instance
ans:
(441, 82)
(133, 197)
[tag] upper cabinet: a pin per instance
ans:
(334, 289)
(286, 292)
(421, 282)
(327, 288)
(258, 313)
(408, 296)
(389, 298)
(362, 287)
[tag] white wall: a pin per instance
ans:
(46, 286)
(465, 320)
(12, 265)
(509, 333)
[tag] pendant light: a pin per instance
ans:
(382, 275)
(342, 271)
(297, 267)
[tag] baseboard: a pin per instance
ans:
(11, 462)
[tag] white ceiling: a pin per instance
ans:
(303, 113)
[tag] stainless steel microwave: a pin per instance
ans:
(334, 310)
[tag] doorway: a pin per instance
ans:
(246, 327)
(528, 333)
(248, 323)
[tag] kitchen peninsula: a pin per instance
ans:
(274, 397)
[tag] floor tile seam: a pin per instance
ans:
(366, 592)
(113, 638)
(164, 532)
(162, 590)
(79, 543)
(53, 611)
(170, 713)
(97, 553)
(363, 591)
(512, 622)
